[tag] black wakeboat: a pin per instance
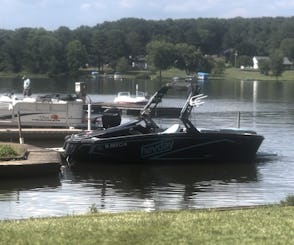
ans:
(143, 141)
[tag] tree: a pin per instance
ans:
(99, 42)
(187, 57)
(276, 63)
(122, 65)
(42, 48)
(219, 67)
(244, 60)
(115, 47)
(16, 48)
(264, 66)
(5, 37)
(161, 55)
(76, 56)
(287, 47)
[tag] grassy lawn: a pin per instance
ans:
(230, 73)
(262, 225)
(236, 73)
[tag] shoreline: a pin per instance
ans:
(229, 74)
(269, 225)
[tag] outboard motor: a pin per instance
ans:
(111, 117)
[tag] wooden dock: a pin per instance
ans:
(12, 134)
(36, 162)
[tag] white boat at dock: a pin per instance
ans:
(41, 111)
(140, 98)
(127, 98)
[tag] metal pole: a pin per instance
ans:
(89, 116)
(21, 140)
(238, 119)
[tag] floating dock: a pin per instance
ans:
(13, 134)
(35, 162)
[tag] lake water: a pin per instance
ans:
(267, 107)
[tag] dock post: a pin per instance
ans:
(21, 140)
(238, 119)
(89, 116)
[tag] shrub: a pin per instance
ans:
(289, 201)
(7, 151)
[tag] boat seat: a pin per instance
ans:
(172, 129)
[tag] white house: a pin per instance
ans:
(286, 62)
(256, 59)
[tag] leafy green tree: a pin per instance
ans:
(42, 48)
(161, 55)
(115, 47)
(5, 64)
(187, 57)
(287, 48)
(219, 67)
(84, 35)
(122, 65)
(244, 60)
(276, 63)
(99, 42)
(16, 48)
(264, 66)
(64, 35)
(76, 56)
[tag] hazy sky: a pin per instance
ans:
(52, 14)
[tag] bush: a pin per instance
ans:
(289, 201)
(7, 151)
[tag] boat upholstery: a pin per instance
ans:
(172, 129)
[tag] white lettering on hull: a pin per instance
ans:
(158, 147)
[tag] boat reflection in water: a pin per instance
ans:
(154, 187)
(10, 187)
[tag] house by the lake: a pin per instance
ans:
(257, 59)
(288, 65)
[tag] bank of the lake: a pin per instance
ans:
(238, 74)
(260, 225)
(229, 74)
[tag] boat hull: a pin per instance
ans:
(170, 148)
(42, 114)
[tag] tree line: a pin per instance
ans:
(183, 43)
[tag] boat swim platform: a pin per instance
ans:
(135, 109)
(36, 162)
(13, 134)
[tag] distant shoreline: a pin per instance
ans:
(229, 73)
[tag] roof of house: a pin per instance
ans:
(286, 61)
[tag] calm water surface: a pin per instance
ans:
(266, 107)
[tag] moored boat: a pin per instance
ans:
(143, 141)
(41, 111)
(127, 98)
(57, 111)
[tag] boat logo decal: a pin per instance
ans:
(157, 147)
(54, 117)
(115, 145)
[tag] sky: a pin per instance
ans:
(51, 14)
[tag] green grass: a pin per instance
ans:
(7, 151)
(236, 73)
(263, 225)
(230, 73)
(10, 151)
